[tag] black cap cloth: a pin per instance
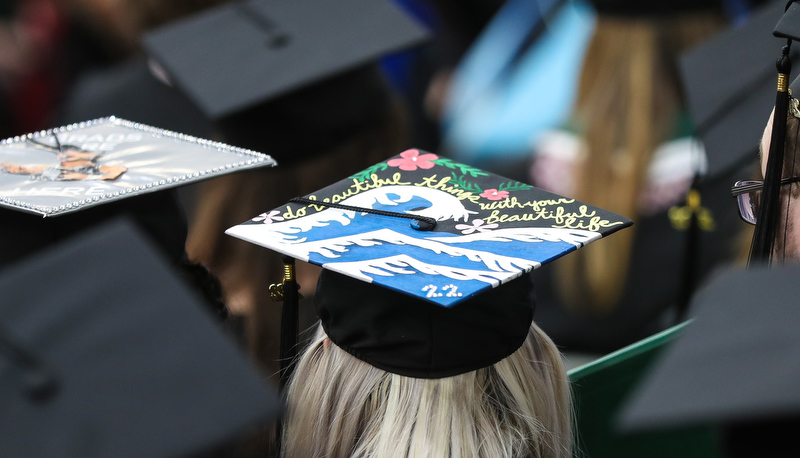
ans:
(424, 236)
(737, 361)
(104, 353)
(236, 56)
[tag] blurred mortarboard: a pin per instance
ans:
(105, 353)
(78, 175)
(730, 88)
(239, 55)
(422, 230)
(737, 361)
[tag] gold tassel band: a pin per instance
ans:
(288, 272)
(783, 82)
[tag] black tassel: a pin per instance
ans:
(290, 320)
(767, 224)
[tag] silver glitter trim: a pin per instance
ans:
(254, 159)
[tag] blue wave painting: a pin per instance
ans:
(444, 266)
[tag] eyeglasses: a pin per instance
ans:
(748, 195)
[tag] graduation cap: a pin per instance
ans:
(730, 83)
(103, 168)
(736, 362)
(236, 56)
(440, 235)
(74, 167)
(103, 352)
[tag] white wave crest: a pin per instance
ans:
(406, 265)
(334, 247)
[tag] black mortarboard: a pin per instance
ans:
(78, 175)
(737, 361)
(236, 56)
(730, 85)
(104, 353)
(439, 234)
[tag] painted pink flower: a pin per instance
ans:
(410, 160)
(494, 194)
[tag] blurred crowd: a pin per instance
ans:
(582, 98)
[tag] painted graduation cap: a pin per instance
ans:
(420, 238)
(71, 168)
(103, 352)
(238, 55)
(730, 85)
(736, 362)
(488, 229)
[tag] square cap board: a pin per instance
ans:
(243, 53)
(74, 167)
(488, 229)
(124, 365)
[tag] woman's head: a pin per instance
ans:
(342, 407)
(392, 375)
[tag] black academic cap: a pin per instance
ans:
(439, 234)
(104, 353)
(383, 327)
(730, 88)
(78, 175)
(737, 361)
(238, 55)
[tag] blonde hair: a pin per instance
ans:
(629, 99)
(343, 407)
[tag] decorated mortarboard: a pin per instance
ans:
(422, 239)
(236, 56)
(103, 352)
(737, 361)
(75, 167)
(429, 227)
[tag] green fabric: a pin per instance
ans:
(600, 390)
